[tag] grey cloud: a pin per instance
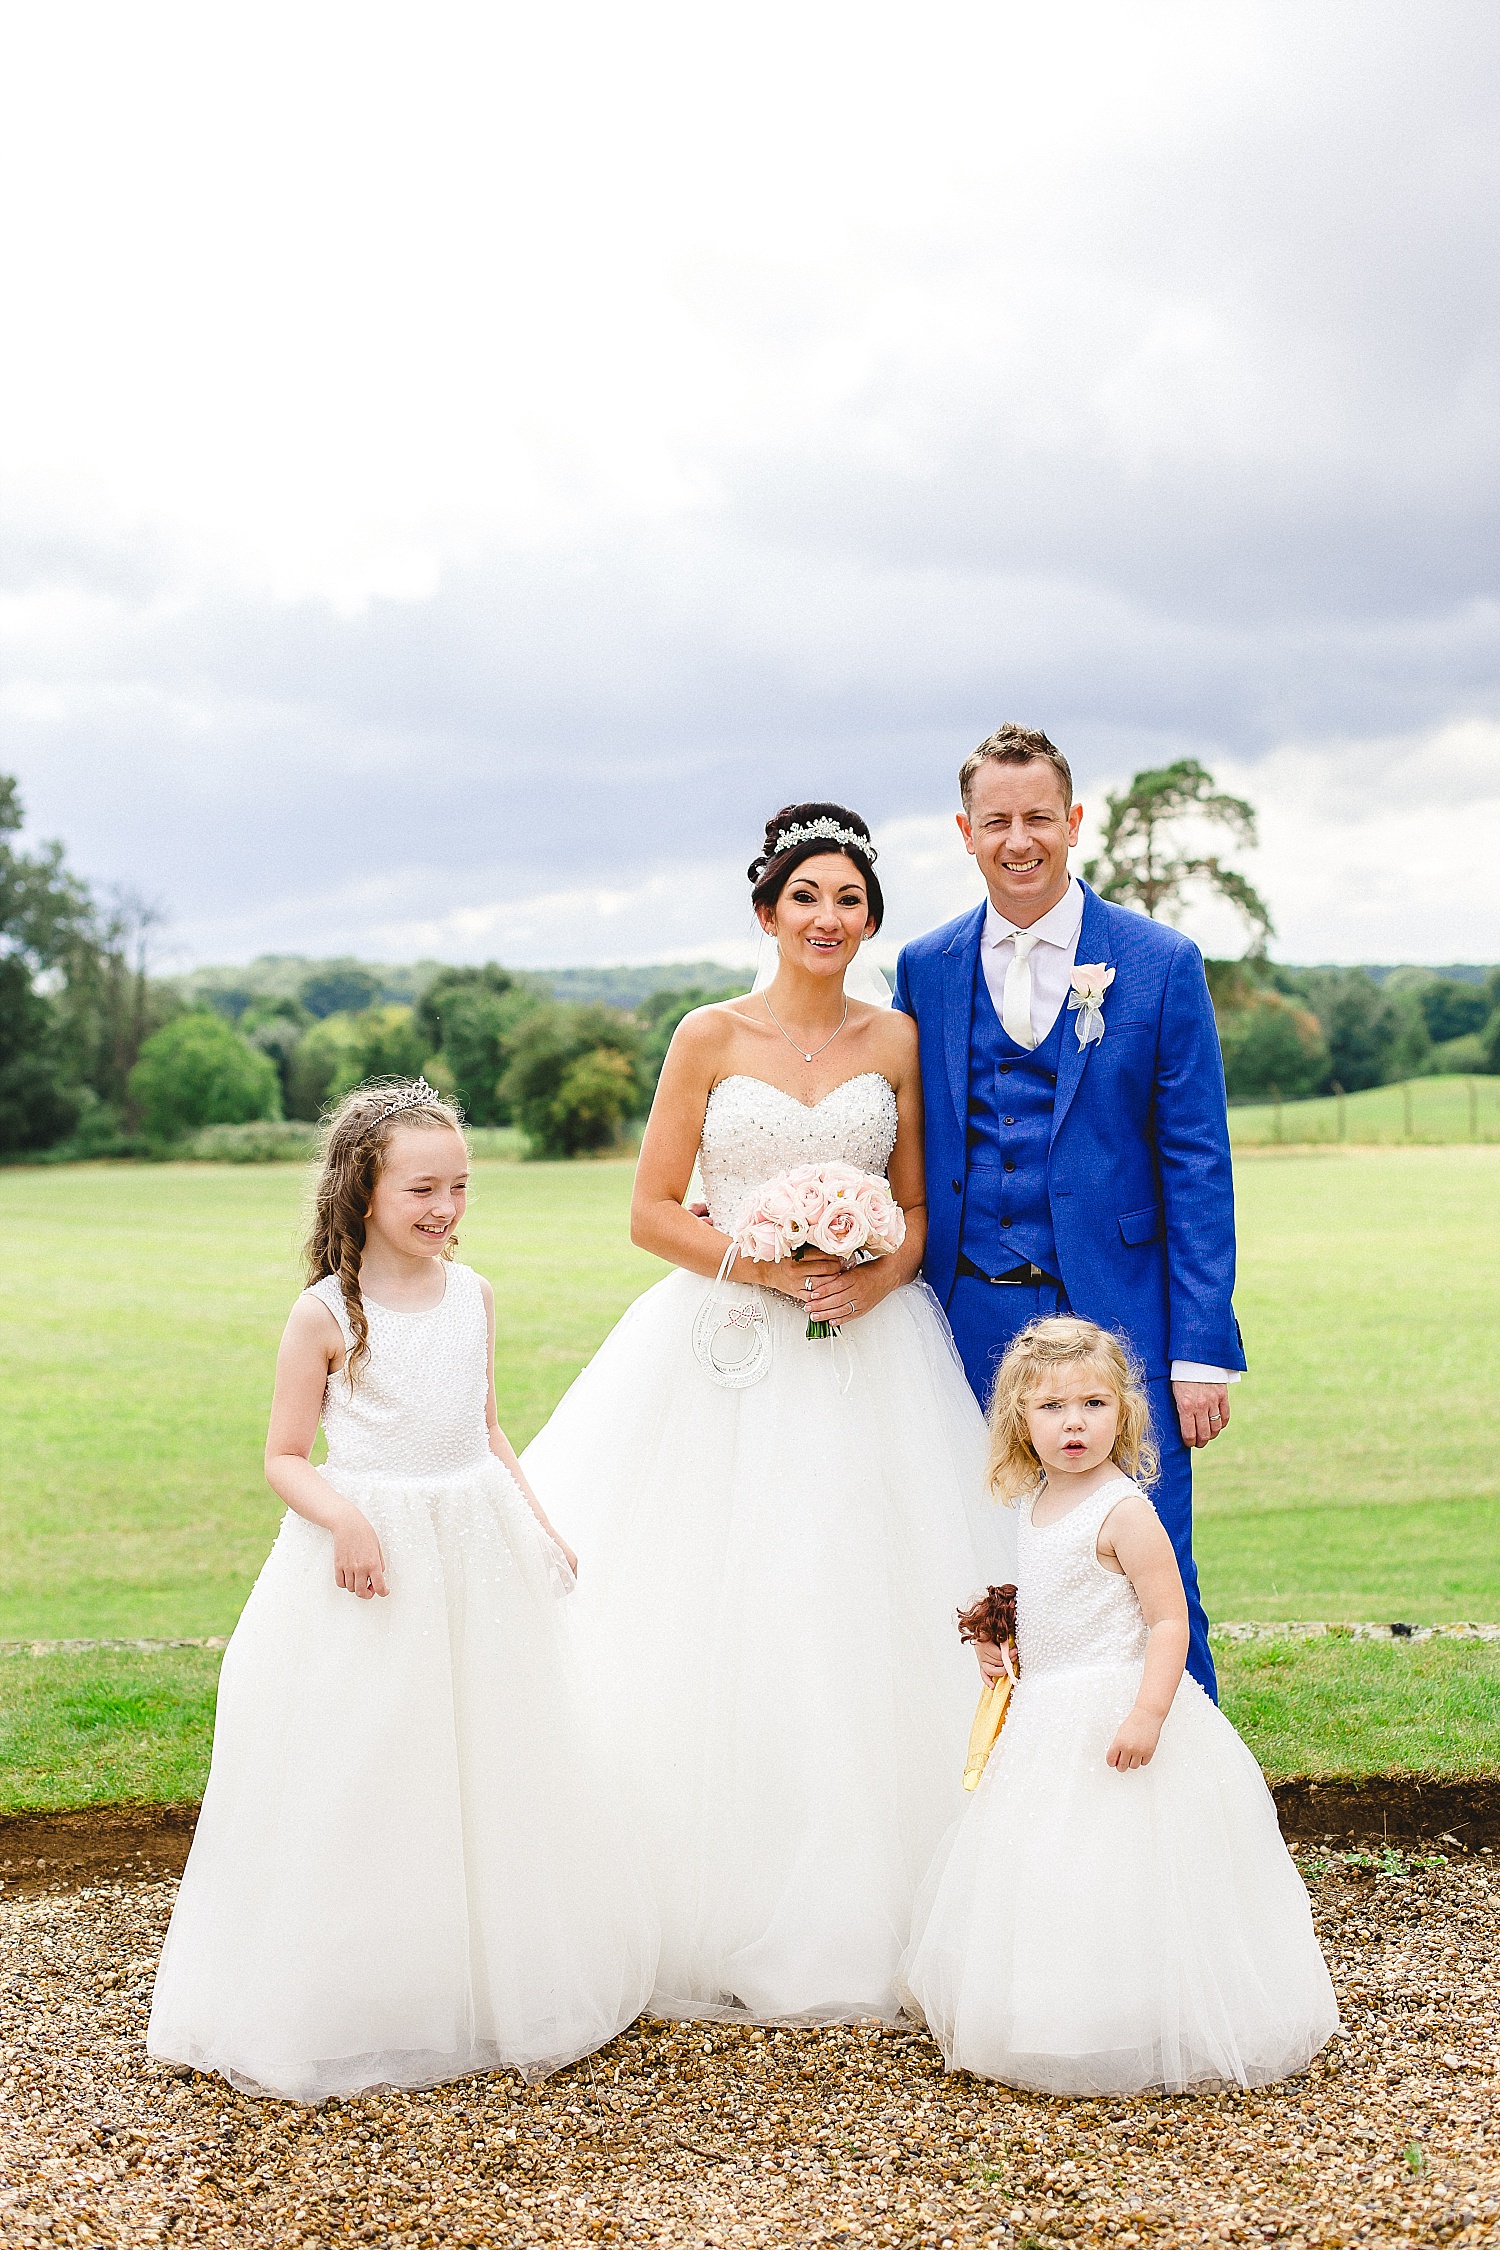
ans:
(1255, 371)
(1196, 448)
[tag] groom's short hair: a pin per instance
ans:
(1011, 745)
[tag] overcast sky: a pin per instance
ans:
(466, 466)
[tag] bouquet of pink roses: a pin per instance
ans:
(835, 1208)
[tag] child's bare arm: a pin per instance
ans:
(311, 1345)
(1132, 1540)
(501, 1446)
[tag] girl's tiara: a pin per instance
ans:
(415, 1096)
(807, 829)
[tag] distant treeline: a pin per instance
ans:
(286, 975)
(99, 1057)
(1296, 1032)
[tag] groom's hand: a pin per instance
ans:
(1202, 1411)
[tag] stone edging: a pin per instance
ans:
(1393, 1632)
(81, 1648)
(1230, 1632)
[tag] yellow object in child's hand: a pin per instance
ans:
(985, 1732)
(991, 1621)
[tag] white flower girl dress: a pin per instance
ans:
(409, 1865)
(1085, 1931)
(769, 1597)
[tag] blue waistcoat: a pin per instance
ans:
(1007, 1213)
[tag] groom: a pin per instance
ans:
(1077, 1156)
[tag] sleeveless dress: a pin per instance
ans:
(408, 1866)
(1084, 1931)
(770, 1580)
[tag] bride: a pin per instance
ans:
(771, 1572)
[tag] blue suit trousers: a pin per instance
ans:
(984, 1320)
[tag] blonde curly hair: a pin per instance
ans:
(1063, 1341)
(356, 1136)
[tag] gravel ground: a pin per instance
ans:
(710, 2135)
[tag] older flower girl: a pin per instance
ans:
(407, 1866)
(1116, 1909)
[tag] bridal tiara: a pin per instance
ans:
(415, 1096)
(806, 830)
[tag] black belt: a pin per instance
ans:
(1026, 1276)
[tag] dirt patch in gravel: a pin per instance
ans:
(713, 2135)
(60, 1851)
(1400, 1808)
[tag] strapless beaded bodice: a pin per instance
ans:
(418, 1403)
(752, 1131)
(1070, 1610)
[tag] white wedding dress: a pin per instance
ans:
(410, 1864)
(768, 1584)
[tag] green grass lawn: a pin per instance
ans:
(1432, 1110)
(114, 1726)
(139, 1312)
(106, 1727)
(140, 1307)
(1360, 1477)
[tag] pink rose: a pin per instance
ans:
(758, 1239)
(841, 1231)
(842, 1179)
(813, 1200)
(1091, 980)
(779, 1205)
(881, 1213)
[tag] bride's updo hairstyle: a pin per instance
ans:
(800, 832)
(356, 1136)
(1042, 1347)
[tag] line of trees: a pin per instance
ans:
(100, 1058)
(1297, 1032)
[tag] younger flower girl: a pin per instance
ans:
(1116, 1909)
(408, 1866)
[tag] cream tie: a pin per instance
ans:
(1015, 1001)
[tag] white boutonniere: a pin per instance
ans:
(1090, 980)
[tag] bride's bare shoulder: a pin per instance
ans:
(706, 1033)
(893, 1031)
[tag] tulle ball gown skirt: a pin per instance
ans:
(769, 1580)
(1092, 1932)
(408, 1865)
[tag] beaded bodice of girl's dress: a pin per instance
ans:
(417, 1407)
(752, 1131)
(1070, 1610)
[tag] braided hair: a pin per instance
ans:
(356, 1136)
(823, 829)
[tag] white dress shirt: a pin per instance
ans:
(1053, 960)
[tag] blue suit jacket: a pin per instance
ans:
(1138, 1172)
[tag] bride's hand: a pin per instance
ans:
(797, 1278)
(842, 1293)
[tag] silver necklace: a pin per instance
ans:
(791, 1042)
